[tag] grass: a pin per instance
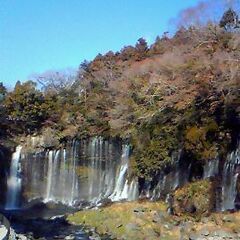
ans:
(130, 220)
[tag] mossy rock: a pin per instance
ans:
(196, 198)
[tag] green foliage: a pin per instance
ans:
(154, 142)
(179, 93)
(25, 107)
(198, 195)
(3, 116)
(3, 91)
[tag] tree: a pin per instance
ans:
(3, 122)
(142, 48)
(25, 107)
(229, 20)
(127, 53)
(141, 45)
(3, 91)
(56, 81)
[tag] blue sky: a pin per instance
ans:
(40, 35)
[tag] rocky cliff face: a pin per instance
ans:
(5, 161)
(90, 171)
(80, 172)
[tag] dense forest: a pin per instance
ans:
(181, 92)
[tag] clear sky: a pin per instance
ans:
(40, 35)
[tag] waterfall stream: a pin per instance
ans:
(14, 181)
(229, 181)
(84, 171)
(91, 170)
(211, 168)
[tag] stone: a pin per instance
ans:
(21, 237)
(205, 232)
(104, 202)
(139, 209)
(228, 218)
(190, 209)
(70, 237)
(168, 227)
(194, 236)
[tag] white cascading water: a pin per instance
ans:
(87, 170)
(14, 181)
(169, 182)
(96, 169)
(124, 189)
(62, 184)
(229, 181)
(211, 168)
(49, 176)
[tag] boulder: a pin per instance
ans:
(195, 198)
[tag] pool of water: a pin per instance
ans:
(45, 222)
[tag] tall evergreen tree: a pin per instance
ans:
(229, 20)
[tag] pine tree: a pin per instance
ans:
(229, 20)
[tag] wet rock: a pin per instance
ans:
(70, 237)
(104, 202)
(94, 237)
(170, 203)
(21, 237)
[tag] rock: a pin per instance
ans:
(205, 232)
(228, 218)
(94, 237)
(194, 236)
(21, 237)
(140, 209)
(167, 226)
(170, 202)
(104, 202)
(156, 220)
(190, 208)
(70, 237)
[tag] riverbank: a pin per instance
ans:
(150, 220)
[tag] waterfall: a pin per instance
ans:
(229, 181)
(61, 178)
(211, 168)
(95, 169)
(119, 192)
(14, 181)
(83, 171)
(124, 189)
(49, 176)
(167, 182)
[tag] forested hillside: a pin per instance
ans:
(182, 92)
